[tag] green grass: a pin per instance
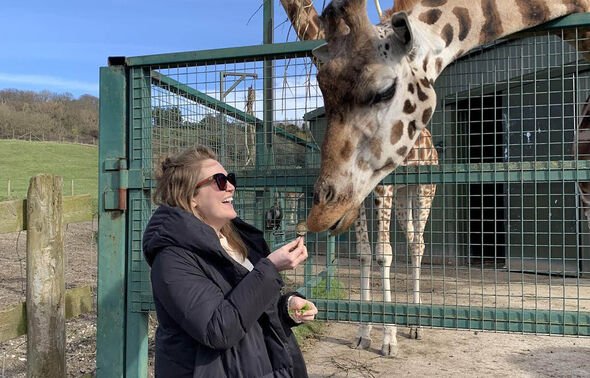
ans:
(312, 330)
(21, 160)
(324, 291)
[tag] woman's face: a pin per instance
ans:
(213, 205)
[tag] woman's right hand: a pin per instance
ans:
(290, 255)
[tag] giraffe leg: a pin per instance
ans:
(421, 205)
(384, 256)
(363, 339)
(405, 215)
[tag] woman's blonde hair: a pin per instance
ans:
(177, 177)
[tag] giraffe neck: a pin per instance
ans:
(423, 152)
(304, 18)
(448, 29)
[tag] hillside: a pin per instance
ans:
(47, 116)
(20, 160)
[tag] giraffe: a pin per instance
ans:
(412, 203)
(378, 85)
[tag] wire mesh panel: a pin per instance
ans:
(250, 111)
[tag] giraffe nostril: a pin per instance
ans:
(325, 194)
(316, 198)
(329, 194)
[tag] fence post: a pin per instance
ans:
(46, 341)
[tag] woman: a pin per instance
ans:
(217, 287)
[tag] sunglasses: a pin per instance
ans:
(220, 179)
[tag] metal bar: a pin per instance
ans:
(573, 323)
(228, 55)
(264, 141)
(110, 335)
(517, 172)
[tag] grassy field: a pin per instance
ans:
(20, 160)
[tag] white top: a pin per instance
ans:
(234, 254)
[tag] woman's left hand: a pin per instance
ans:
(301, 310)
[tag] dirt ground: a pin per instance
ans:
(441, 353)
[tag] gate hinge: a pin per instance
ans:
(119, 178)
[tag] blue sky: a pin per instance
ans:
(59, 45)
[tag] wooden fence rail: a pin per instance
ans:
(13, 320)
(13, 214)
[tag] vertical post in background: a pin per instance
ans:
(265, 140)
(46, 318)
(112, 287)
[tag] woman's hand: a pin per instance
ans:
(301, 310)
(290, 255)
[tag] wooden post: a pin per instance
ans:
(46, 337)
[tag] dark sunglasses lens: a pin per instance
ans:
(231, 177)
(220, 180)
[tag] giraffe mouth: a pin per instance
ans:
(344, 223)
(334, 227)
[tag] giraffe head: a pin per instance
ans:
(377, 98)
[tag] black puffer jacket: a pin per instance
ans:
(216, 319)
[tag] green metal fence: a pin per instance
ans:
(507, 247)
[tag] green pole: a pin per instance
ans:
(268, 104)
(111, 285)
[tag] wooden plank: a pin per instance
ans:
(13, 321)
(12, 216)
(79, 300)
(46, 320)
(76, 209)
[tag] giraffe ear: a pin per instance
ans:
(321, 53)
(402, 33)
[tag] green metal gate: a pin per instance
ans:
(507, 249)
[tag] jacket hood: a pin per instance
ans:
(174, 227)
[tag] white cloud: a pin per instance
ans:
(49, 82)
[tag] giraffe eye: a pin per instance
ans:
(385, 95)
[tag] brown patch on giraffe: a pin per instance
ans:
(396, 132)
(402, 151)
(433, 3)
(447, 34)
(388, 166)
(533, 12)
(425, 64)
(409, 108)
(380, 190)
(362, 164)
(346, 151)
(376, 147)
(430, 16)
(439, 63)
(426, 115)
(425, 82)
(421, 95)
(462, 15)
(492, 27)
(411, 129)
(411, 88)
(574, 6)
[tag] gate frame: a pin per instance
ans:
(122, 341)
